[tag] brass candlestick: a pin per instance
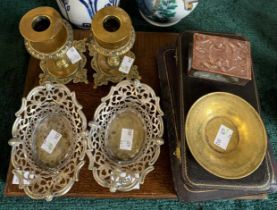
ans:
(49, 38)
(113, 37)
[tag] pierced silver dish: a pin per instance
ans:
(49, 141)
(125, 136)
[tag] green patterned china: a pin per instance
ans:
(165, 13)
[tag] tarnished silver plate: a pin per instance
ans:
(49, 141)
(125, 136)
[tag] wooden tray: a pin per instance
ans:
(158, 184)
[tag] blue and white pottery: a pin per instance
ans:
(164, 12)
(81, 12)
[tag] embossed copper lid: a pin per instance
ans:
(222, 55)
(44, 28)
(111, 27)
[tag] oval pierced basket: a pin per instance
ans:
(45, 174)
(118, 163)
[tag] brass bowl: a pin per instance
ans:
(247, 142)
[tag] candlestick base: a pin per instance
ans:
(57, 72)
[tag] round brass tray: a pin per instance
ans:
(247, 143)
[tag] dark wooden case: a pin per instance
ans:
(179, 92)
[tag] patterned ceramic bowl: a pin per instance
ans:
(81, 12)
(165, 13)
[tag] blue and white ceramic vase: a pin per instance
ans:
(165, 12)
(81, 12)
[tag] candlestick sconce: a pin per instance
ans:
(49, 38)
(113, 37)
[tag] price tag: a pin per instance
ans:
(73, 55)
(126, 178)
(51, 141)
(126, 64)
(223, 137)
(126, 140)
(25, 180)
(137, 186)
(129, 178)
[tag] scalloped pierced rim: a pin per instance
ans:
(42, 102)
(125, 175)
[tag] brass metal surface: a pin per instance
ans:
(111, 27)
(48, 37)
(113, 38)
(105, 73)
(62, 71)
(130, 119)
(60, 124)
(248, 143)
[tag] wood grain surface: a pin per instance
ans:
(158, 184)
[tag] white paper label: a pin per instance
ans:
(129, 178)
(25, 180)
(137, 186)
(126, 140)
(73, 55)
(223, 137)
(51, 141)
(126, 64)
(126, 178)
